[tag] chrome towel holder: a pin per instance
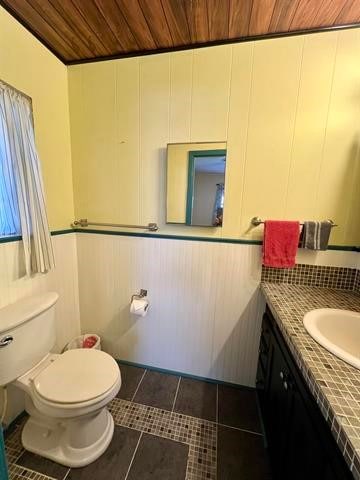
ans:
(84, 222)
(256, 221)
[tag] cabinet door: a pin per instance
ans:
(303, 456)
(262, 373)
(276, 408)
(308, 453)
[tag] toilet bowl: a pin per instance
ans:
(65, 394)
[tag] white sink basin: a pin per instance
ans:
(336, 330)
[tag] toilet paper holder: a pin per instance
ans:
(142, 294)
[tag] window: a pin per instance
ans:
(22, 203)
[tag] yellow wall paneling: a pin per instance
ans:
(288, 109)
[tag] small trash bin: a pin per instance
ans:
(88, 340)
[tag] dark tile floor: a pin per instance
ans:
(166, 427)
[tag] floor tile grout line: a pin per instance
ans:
(137, 388)
(216, 447)
(133, 456)
(176, 394)
(66, 474)
(217, 404)
(241, 429)
(17, 458)
(217, 427)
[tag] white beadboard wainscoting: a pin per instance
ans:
(330, 258)
(206, 307)
(63, 279)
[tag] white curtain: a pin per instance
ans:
(21, 179)
(9, 213)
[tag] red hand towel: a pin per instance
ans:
(281, 240)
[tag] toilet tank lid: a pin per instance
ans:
(25, 309)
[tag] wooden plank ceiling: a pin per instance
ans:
(77, 30)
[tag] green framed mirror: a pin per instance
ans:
(196, 183)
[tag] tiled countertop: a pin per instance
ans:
(334, 383)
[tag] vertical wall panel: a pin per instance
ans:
(181, 73)
(310, 126)
(101, 168)
(210, 99)
(240, 97)
(275, 86)
(154, 134)
(76, 92)
(237, 314)
(127, 125)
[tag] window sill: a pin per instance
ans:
(9, 238)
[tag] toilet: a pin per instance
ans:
(65, 394)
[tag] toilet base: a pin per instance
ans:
(72, 442)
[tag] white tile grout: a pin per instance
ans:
(176, 394)
(137, 388)
(133, 457)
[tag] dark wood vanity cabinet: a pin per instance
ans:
(300, 442)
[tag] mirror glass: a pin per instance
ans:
(196, 183)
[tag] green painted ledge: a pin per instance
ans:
(346, 248)
(236, 241)
(16, 238)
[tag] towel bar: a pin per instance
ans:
(256, 221)
(84, 222)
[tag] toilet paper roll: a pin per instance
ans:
(139, 306)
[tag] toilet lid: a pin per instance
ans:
(77, 376)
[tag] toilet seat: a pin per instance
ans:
(80, 376)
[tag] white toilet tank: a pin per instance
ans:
(27, 334)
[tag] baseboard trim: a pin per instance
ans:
(185, 375)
